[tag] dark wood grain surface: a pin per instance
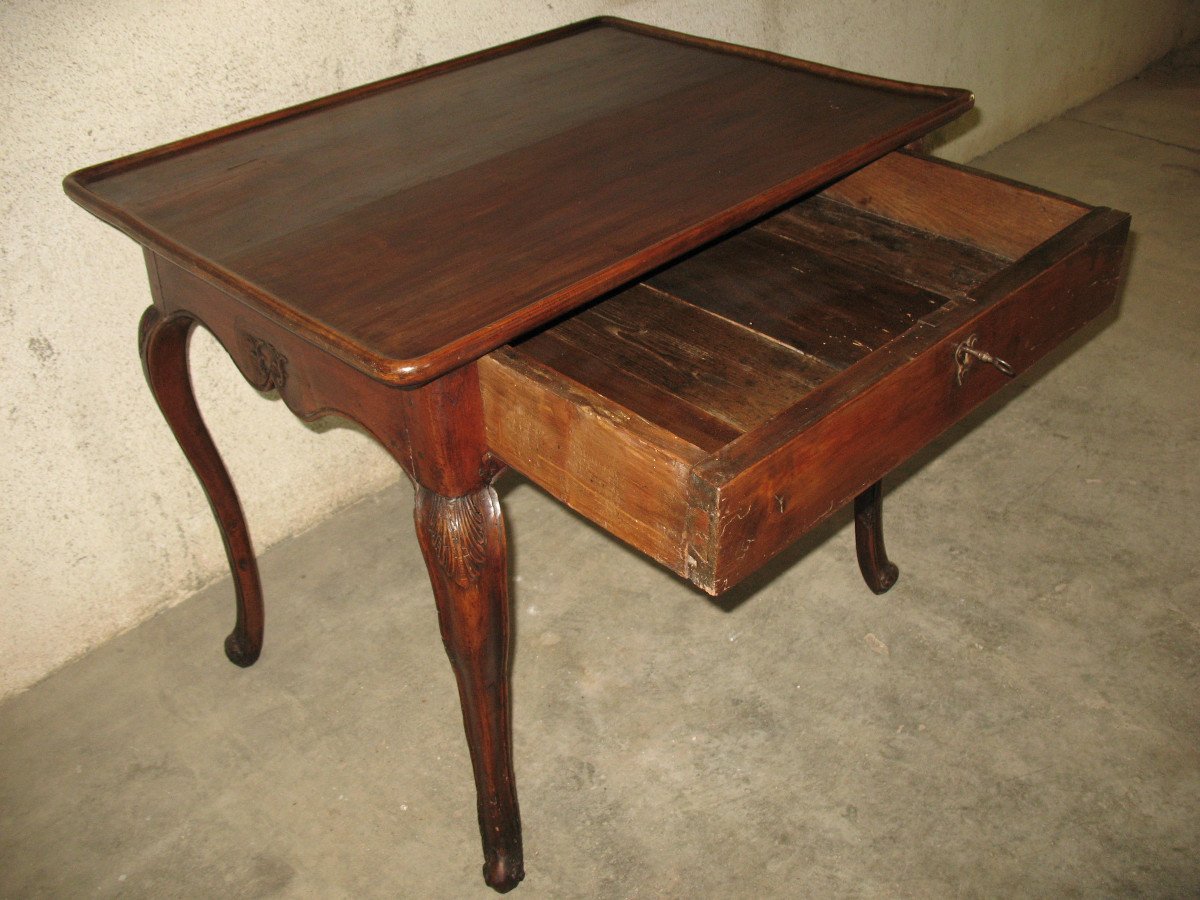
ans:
(717, 343)
(413, 225)
(829, 309)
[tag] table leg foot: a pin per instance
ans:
(240, 651)
(877, 570)
(163, 344)
(502, 873)
(464, 544)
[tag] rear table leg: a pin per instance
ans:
(163, 345)
(879, 573)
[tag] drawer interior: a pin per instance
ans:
(613, 408)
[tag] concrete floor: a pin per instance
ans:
(1020, 716)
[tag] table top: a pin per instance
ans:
(414, 224)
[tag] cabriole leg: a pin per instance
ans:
(464, 545)
(163, 344)
(879, 573)
(461, 531)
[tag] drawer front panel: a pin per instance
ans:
(765, 490)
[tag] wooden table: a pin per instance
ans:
(471, 261)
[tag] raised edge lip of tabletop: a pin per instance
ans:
(417, 370)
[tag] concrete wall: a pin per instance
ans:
(1026, 60)
(102, 522)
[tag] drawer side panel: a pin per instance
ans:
(624, 473)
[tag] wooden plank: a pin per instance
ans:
(831, 309)
(928, 260)
(732, 373)
(627, 475)
(999, 216)
(772, 485)
(652, 402)
(411, 226)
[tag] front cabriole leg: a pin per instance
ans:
(163, 342)
(464, 544)
(460, 528)
(878, 572)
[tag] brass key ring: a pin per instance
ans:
(965, 354)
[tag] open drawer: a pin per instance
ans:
(718, 409)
